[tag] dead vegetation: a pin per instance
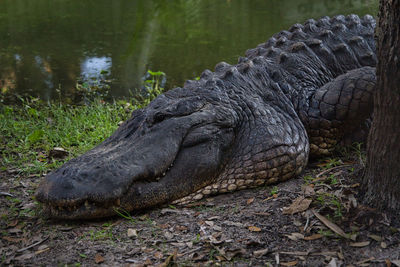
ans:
(314, 220)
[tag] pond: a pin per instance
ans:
(48, 46)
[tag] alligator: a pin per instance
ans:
(254, 123)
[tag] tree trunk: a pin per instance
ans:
(382, 177)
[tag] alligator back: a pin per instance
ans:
(305, 57)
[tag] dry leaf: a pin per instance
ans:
(360, 244)
(396, 262)
(333, 263)
(309, 190)
(295, 236)
(25, 256)
(254, 229)
(13, 223)
(365, 261)
(231, 253)
(330, 225)
(220, 258)
(181, 228)
(313, 237)
(383, 245)
(170, 258)
(158, 255)
(290, 263)
(262, 213)
(377, 238)
(168, 235)
(353, 201)
(295, 253)
(209, 223)
(58, 153)
(98, 258)
(12, 239)
(250, 200)
(261, 252)
(299, 204)
(41, 251)
(132, 232)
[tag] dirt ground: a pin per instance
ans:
(313, 220)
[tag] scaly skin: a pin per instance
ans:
(257, 122)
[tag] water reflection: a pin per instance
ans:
(48, 45)
(95, 68)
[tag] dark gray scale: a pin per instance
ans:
(272, 52)
(310, 26)
(324, 54)
(298, 35)
(296, 27)
(368, 33)
(270, 42)
(191, 84)
(251, 53)
(222, 67)
(242, 60)
(338, 19)
(343, 54)
(281, 34)
(206, 74)
(353, 22)
(281, 41)
(339, 28)
(362, 50)
(324, 22)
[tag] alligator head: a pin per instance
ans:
(170, 149)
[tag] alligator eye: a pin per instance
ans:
(159, 117)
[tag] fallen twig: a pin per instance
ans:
(330, 225)
(33, 245)
(330, 169)
(6, 194)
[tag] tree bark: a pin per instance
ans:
(382, 177)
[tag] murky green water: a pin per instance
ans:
(48, 45)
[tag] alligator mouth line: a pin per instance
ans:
(80, 208)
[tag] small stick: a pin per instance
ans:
(33, 245)
(333, 168)
(6, 194)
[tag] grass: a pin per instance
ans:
(31, 130)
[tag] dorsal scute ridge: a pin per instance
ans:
(333, 45)
(338, 19)
(222, 67)
(324, 22)
(296, 27)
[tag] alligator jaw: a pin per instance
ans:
(159, 155)
(83, 209)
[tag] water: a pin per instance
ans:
(47, 46)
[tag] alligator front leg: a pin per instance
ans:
(338, 109)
